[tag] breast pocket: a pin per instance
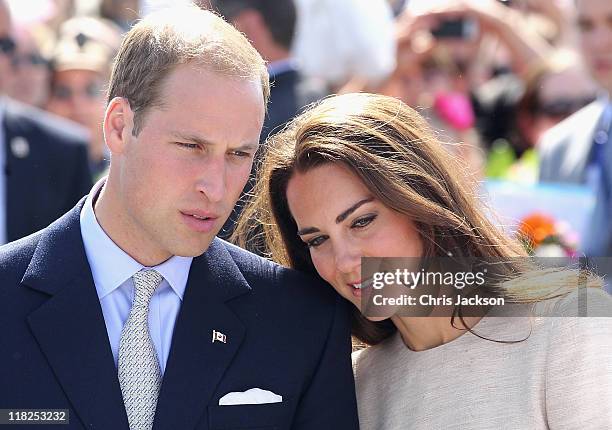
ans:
(266, 416)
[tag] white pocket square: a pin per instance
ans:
(254, 396)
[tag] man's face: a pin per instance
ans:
(595, 24)
(78, 95)
(31, 72)
(7, 47)
(182, 175)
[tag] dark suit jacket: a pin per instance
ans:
(285, 101)
(47, 179)
(286, 332)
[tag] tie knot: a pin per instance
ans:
(145, 284)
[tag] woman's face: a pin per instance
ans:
(341, 221)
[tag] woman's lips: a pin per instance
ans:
(358, 287)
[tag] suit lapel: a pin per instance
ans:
(196, 364)
(69, 327)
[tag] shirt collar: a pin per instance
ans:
(111, 266)
(2, 108)
(277, 67)
(2, 113)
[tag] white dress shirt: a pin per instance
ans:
(112, 271)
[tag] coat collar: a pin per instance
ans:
(69, 326)
(70, 329)
(582, 125)
(197, 361)
(59, 257)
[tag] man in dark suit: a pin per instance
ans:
(43, 159)
(45, 168)
(270, 26)
(579, 149)
(127, 311)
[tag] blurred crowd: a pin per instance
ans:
(502, 81)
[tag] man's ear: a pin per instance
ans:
(118, 124)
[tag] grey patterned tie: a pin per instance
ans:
(139, 371)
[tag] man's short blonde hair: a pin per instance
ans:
(168, 38)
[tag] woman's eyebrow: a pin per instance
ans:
(352, 209)
(307, 230)
(339, 218)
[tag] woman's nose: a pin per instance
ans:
(348, 259)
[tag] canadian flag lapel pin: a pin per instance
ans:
(217, 336)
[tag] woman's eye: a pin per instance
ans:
(313, 243)
(363, 222)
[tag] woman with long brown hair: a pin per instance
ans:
(362, 175)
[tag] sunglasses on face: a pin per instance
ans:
(7, 45)
(31, 59)
(563, 107)
(92, 90)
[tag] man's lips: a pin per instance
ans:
(200, 221)
(198, 213)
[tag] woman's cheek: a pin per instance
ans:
(323, 266)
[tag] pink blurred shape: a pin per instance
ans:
(455, 109)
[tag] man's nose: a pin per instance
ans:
(212, 181)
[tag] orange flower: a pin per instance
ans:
(536, 228)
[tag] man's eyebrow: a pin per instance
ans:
(339, 218)
(188, 137)
(352, 209)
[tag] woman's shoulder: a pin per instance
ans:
(371, 356)
(578, 302)
(581, 302)
(365, 354)
(579, 370)
(583, 317)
